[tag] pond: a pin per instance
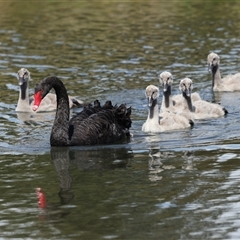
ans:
(173, 185)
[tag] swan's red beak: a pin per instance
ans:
(37, 100)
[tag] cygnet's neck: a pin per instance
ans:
(216, 76)
(167, 97)
(188, 102)
(23, 99)
(153, 113)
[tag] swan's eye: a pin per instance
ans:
(214, 59)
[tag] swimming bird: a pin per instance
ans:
(169, 102)
(229, 83)
(25, 103)
(199, 109)
(94, 125)
(169, 120)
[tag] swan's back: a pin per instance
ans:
(91, 109)
(204, 109)
(100, 125)
(173, 121)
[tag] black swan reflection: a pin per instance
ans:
(81, 159)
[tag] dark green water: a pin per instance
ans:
(173, 185)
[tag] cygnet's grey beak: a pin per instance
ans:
(20, 80)
(188, 92)
(165, 87)
(150, 101)
(209, 67)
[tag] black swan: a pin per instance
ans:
(49, 103)
(94, 125)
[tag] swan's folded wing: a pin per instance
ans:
(103, 127)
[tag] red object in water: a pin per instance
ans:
(41, 198)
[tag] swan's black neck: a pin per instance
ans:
(60, 129)
(152, 109)
(167, 95)
(189, 102)
(23, 89)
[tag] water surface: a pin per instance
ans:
(173, 185)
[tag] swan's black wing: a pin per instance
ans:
(87, 112)
(103, 127)
(91, 109)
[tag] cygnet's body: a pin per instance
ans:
(169, 121)
(229, 83)
(199, 109)
(169, 102)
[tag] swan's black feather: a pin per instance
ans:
(105, 124)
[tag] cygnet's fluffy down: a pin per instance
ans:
(169, 102)
(168, 120)
(199, 109)
(229, 83)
